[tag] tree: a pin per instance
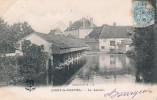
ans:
(10, 34)
(3, 27)
(33, 63)
(5, 44)
(143, 41)
(20, 30)
(9, 71)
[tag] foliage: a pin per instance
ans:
(5, 44)
(143, 41)
(9, 71)
(33, 63)
(10, 34)
(19, 30)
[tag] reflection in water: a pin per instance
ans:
(101, 69)
(60, 76)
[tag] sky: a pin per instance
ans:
(44, 15)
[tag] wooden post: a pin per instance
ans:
(47, 66)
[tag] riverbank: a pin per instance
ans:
(129, 54)
(100, 52)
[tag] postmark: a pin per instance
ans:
(144, 13)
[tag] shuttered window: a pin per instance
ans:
(112, 43)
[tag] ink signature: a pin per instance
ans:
(116, 94)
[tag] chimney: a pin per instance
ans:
(91, 22)
(70, 23)
(114, 24)
(83, 22)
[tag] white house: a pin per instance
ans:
(38, 39)
(110, 37)
(80, 28)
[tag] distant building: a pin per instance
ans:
(61, 50)
(56, 31)
(71, 36)
(110, 37)
(93, 44)
(54, 44)
(93, 38)
(80, 28)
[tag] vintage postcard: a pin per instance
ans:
(78, 49)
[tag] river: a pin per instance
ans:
(109, 69)
(98, 69)
(104, 69)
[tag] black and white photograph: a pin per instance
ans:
(78, 49)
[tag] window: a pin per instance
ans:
(112, 62)
(102, 47)
(112, 43)
(129, 34)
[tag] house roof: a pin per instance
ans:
(107, 31)
(61, 41)
(79, 24)
(90, 40)
(96, 32)
(115, 32)
(55, 31)
(71, 36)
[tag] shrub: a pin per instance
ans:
(9, 71)
(33, 63)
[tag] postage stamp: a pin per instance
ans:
(144, 13)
